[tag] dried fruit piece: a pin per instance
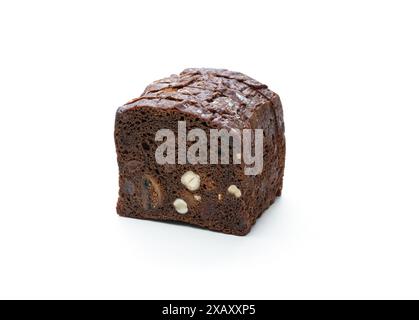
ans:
(151, 193)
(129, 187)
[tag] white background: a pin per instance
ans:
(347, 224)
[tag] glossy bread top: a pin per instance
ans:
(226, 98)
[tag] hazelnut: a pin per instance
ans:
(234, 191)
(191, 180)
(180, 206)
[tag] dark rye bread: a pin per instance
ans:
(204, 98)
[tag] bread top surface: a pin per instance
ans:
(224, 98)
